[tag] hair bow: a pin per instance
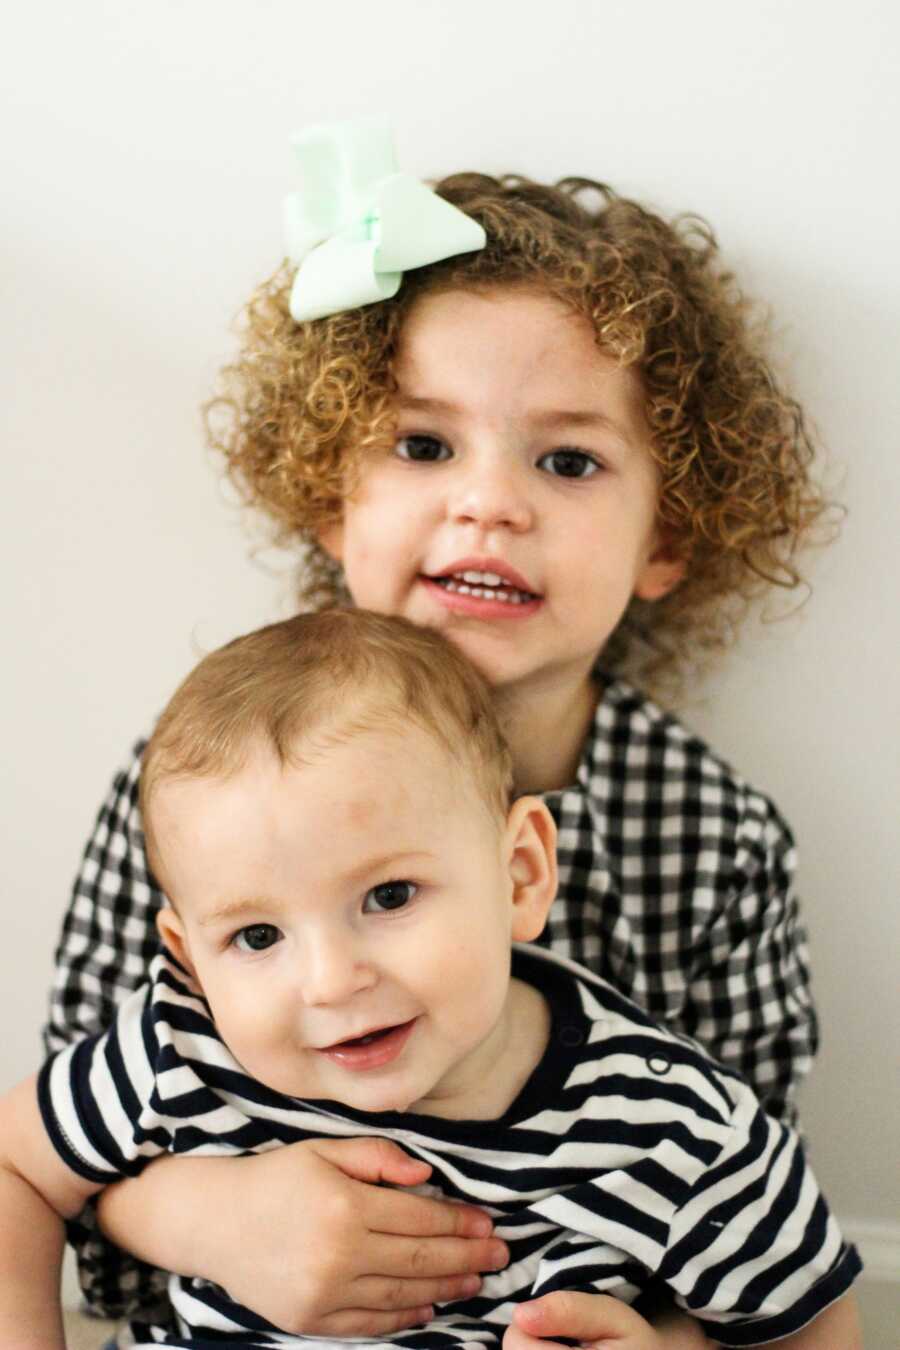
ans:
(357, 224)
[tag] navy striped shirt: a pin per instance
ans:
(628, 1159)
(676, 884)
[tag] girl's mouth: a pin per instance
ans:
(483, 593)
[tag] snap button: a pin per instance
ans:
(659, 1065)
(570, 1035)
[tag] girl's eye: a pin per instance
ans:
(569, 464)
(257, 937)
(389, 895)
(422, 449)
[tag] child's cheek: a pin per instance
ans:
(240, 1011)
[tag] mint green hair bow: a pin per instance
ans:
(357, 224)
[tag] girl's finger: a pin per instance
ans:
(396, 1212)
(433, 1257)
(372, 1160)
(407, 1295)
(366, 1322)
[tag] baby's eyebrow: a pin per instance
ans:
(237, 909)
(384, 862)
(380, 865)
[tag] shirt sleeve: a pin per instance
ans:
(749, 1000)
(754, 1252)
(96, 1097)
(107, 941)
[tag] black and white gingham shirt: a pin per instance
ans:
(627, 1158)
(675, 887)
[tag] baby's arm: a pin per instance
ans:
(837, 1328)
(106, 943)
(37, 1192)
(596, 1319)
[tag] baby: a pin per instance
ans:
(328, 810)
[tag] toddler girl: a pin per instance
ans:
(564, 448)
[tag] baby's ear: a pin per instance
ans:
(531, 849)
(171, 930)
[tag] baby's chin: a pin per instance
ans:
(372, 1103)
(381, 1103)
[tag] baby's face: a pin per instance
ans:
(517, 511)
(349, 921)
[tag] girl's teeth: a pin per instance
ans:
(507, 597)
(483, 578)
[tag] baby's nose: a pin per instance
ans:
(333, 971)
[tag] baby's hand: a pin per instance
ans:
(317, 1249)
(593, 1319)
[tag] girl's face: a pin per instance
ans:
(516, 511)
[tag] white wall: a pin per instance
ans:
(145, 162)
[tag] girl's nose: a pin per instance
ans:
(492, 493)
(332, 970)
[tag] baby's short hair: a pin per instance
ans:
(305, 403)
(326, 677)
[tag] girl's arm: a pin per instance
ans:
(37, 1192)
(108, 936)
(333, 1225)
(754, 943)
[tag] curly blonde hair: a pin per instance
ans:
(303, 404)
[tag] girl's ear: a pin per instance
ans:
(661, 572)
(531, 851)
(171, 930)
(331, 538)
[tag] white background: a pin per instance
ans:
(146, 157)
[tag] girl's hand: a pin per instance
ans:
(597, 1320)
(302, 1237)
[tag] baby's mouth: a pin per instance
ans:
(373, 1050)
(369, 1039)
(483, 586)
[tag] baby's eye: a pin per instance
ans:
(569, 464)
(256, 937)
(389, 895)
(422, 449)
